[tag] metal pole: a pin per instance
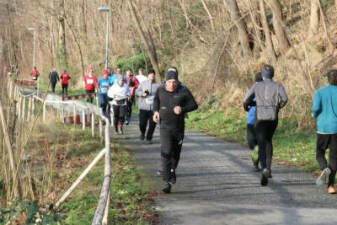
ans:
(34, 50)
(107, 41)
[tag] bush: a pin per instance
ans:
(135, 62)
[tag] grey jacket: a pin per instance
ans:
(270, 97)
(146, 103)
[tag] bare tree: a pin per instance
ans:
(278, 25)
(150, 49)
(266, 30)
(241, 25)
(62, 51)
(314, 17)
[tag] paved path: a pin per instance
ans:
(216, 185)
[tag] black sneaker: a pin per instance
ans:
(173, 177)
(149, 142)
(167, 188)
(265, 176)
(142, 137)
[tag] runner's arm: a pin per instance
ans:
(317, 105)
(190, 103)
(249, 99)
(283, 96)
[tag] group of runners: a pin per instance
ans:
(263, 102)
(168, 103)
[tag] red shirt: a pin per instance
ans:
(65, 77)
(90, 82)
(132, 83)
(35, 73)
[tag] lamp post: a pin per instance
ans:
(107, 10)
(34, 54)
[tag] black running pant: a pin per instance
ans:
(65, 89)
(90, 99)
(146, 117)
(251, 136)
(264, 134)
(129, 107)
(171, 141)
(325, 141)
(53, 85)
(119, 114)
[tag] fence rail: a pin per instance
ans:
(17, 95)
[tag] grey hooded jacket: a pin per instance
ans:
(146, 103)
(270, 97)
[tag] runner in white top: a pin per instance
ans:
(119, 94)
(141, 77)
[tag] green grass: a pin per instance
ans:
(130, 196)
(292, 146)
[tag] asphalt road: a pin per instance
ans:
(217, 185)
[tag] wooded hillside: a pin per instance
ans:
(217, 45)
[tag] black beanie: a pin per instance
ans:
(171, 75)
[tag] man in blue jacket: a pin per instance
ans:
(325, 110)
(251, 133)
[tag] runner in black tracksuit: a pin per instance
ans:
(171, 103)
(53, 77)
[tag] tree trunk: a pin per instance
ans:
(277, 24)
(314, 17)
(266, 30)
(62, 51)
(241, 25)
(149, 49)
(257, 25)
(209, 15)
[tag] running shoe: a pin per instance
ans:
(126, 122)
(264, 177)
(322, 177)
(255, 158)
(167, 188)
(331, 189)
(142, 137)
(149, 142)
(173, 177)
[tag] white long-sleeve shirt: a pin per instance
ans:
(118, 92)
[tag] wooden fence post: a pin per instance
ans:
(23, 111)
(104, 196)
(33, 107)
(44, 112)
(93, 124)
(100, 127)
(62, 114)
(83, 119)
(29, 108)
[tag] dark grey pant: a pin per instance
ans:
(171, 141)
(146, 117)
(264, 134)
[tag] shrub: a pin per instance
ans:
(135, 62)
